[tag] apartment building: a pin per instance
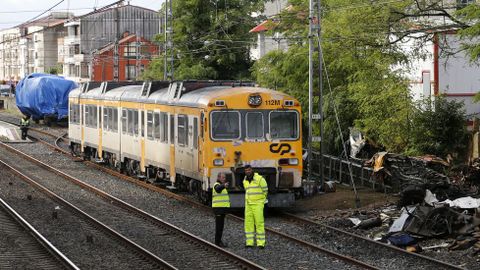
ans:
(31, 46)
(91, 33)
(67, 44)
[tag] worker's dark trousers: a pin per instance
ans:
(219, 224)
(24, 133)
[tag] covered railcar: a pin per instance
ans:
(185, 133)
(44, 96)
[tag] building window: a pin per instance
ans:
(84, 70)
(463, 3)
(130, 72)
(130, 50)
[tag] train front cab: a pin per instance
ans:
(265, 135)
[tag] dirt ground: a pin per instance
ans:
(344, 200)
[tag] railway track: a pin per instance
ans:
(24, 247)
(383, 259)
(65, 223)
(155, 237)
(376, 253)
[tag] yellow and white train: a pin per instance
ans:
(186, 132)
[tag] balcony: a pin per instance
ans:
(71, 40)
(79, 58)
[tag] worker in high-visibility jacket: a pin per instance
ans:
(220, 205)
(24, 124)
(256, 191)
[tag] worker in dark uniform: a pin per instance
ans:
(220, 205)
(24, 124)
(256, 191)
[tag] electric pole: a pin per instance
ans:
(168, 68)
(314, 33)
(137, 57)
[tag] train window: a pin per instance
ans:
(225, 125)
(164, 127)
(182, 130)
(195, 132)
(94, 116)
(284, 125)
(150, 129)
(202, 123)
(124, 121)
(130, 122)
(142, 123)
(87, 115)
(105, 118)
(156, 125)
(172, 129)
(135, 122)
(115, 119)
(254, 125)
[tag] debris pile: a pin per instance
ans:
(431, 205)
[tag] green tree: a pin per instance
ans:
(359, 56)
(211, 39)
(439, 128)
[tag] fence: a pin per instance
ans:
(337, 169)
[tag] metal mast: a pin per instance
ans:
(314, 33)
(168, 47)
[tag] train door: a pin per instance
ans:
(194, 149)
(101, 123)
(82, 124)
(142, 140)
(200, 143)
(172, 148)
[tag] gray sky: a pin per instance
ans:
(14, 12)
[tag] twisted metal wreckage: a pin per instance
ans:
(433, 204)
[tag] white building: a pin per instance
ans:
(444, 73)
(266, 42)
(31, 46)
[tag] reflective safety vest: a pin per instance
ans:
(255, 191)
(220, 199)
(24, 123)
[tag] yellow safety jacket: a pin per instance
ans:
(24, 123)
(255, 191)
(220, 199)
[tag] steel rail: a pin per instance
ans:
(361, 238)
(235, 259)
(64, 260)
(170, 194)
(147, 254)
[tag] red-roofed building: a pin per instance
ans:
(134, 55)
(266, 41)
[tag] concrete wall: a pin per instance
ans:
(9, 104)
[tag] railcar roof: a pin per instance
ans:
(196, 98)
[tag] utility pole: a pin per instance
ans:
(168, 41)
(320, 86)
(314, 33)
(115, 52)
(137, 57)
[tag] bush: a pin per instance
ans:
(438, 128)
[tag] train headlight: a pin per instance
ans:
(293, 161)
(288, 161)
(255, 100)
(218, 162)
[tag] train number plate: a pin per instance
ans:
(271, 102)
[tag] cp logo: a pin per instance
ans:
(280, 148)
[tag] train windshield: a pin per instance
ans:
(225, 125)
(284, 125)
(254, 125)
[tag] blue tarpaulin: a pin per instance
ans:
(40, 95)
